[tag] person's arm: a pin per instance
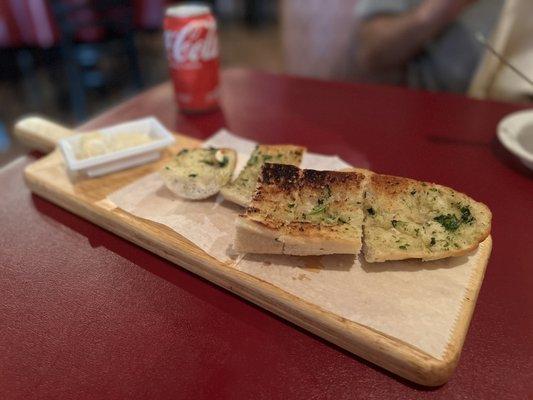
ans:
(387, 42)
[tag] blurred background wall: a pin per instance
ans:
(318, 38)
(70, 59)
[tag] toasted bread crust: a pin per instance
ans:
(242, 189)
(403, 218)
(389, 185)
(311, 212)
(255, 237)
(285, 177)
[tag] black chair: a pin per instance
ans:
(88, 29)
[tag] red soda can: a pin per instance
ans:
(191, 44)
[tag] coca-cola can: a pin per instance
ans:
(191, 44)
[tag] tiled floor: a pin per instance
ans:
(258, 48)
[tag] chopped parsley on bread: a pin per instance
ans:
(405, 218)
(303, 212)
(242, 189)
(199, 173)
(307, 212)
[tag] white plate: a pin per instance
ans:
(125, 158)
(516, 133)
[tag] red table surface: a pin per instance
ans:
(85, 314)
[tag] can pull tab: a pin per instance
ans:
(39, 133)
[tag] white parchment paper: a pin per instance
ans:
(413, 301)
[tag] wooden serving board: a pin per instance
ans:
(86, 197)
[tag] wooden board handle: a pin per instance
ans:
(40, 134)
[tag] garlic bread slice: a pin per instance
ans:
(405, 218)
(199, 173)
(303, 212)
(242, 189)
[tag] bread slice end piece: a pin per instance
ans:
(408, 219)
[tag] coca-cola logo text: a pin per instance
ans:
(197, 41)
